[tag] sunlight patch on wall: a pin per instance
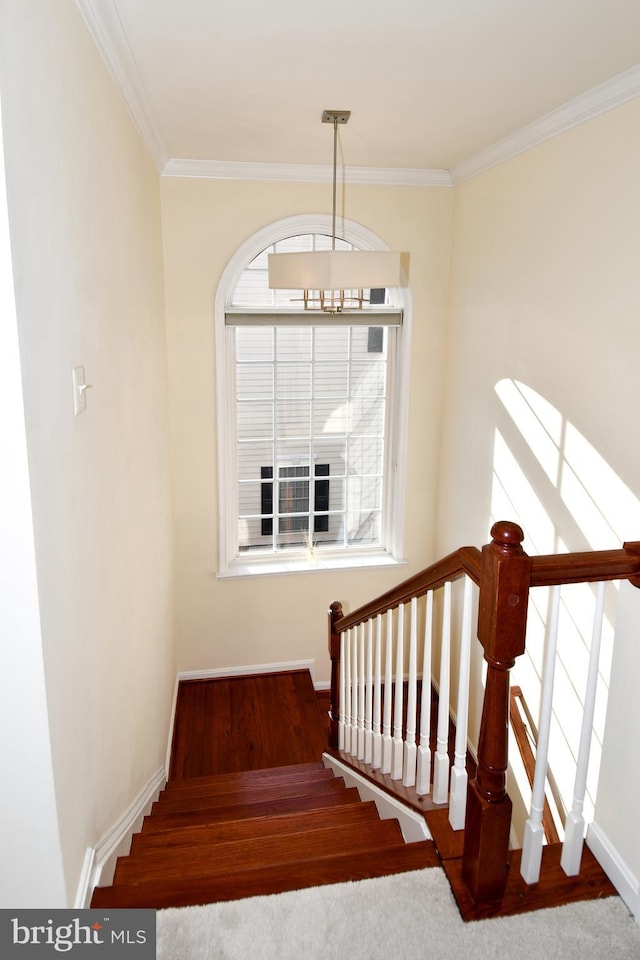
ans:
(548, 478)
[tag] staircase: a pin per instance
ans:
(259, 832)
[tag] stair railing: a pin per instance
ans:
(371, 721)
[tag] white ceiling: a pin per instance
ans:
(430, 83)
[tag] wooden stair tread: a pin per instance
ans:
(255, 827)
(296, 771)
(221, 858)
(250, 882)
(233, 783)
(246, 794)
(160, 822)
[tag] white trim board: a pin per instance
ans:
(627, 885)
(304, 173)
(607, 96)
(105, 26)
(100, 861)
(214, 673)
(413, 824)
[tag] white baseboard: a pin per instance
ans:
(100, 861)
(627, 885)
(247, 670)
(412, 824)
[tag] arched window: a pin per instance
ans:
(310, 414)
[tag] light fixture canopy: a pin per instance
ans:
(334, 280)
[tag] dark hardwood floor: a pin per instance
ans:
(246, 723)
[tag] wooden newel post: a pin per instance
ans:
(502, 616)
(335, 614)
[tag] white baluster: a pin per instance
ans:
(423, 784)
(533, 829)
(361, 691)
(458, 798)
(377, 696)
(410, 751)
(397, 757)
(574, 826)
(368, 712)
(387, 742)
(345, 643)
(341, 694)
(441, 760)
(354, 692)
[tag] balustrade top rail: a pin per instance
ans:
(546, 570)
(465, 560)
(587, 567)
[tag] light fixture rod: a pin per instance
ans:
(335, 117)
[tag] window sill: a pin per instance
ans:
(268, 566)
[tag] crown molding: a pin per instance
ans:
(304, 173)
(613, 93)
(105, 26)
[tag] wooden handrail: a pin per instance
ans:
(587, 567)
(465, 560)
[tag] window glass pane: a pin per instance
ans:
(364, 529)
(293, 343)
(294, 244)
(331, 379)
(249, 499)
(331, 343)
(255, 419)
(294, 380)
(250, 537)
(293, 418)
(367, 416)
(292, 452)
(368, 379)
(254, 380)
(361, 343)
(333, 452)
(251, 457)
(254, 343)
(365, 493)
(330, 417)
(364, 455)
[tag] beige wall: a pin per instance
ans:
(256, 620)
(546, 291)
(85, 221)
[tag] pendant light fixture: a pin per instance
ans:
(334, 280)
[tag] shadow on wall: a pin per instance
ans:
(566, 497)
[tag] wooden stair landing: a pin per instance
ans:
(230, 835)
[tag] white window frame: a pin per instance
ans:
(229, 564)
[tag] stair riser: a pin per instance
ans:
(252, 883)
(218, 859)
(212, 788)
(255, 828)
(161, 822)
(247, 795)
(300, 771)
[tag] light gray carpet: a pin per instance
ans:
(411, 915)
